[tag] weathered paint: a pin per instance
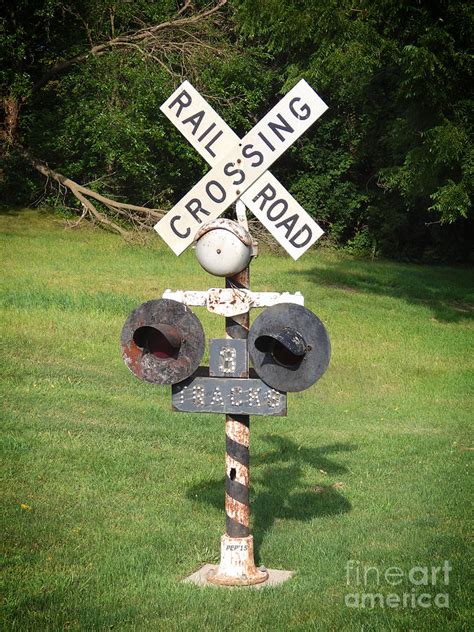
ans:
(182, 342)
(237, 428)
(228, 358)
(223, 247)
(276, 338)
(237, 432)
(267, 198)
(242, 219)
(236, 471)
(236, 510)
(237, 566)
(236, 396)
(230, 301)
(226, 224)
(240, 166)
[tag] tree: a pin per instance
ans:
(390, 165)
(388, 169)
(82, 83)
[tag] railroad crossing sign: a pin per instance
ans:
(239, 168)
(163, 342)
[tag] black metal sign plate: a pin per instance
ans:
(228, 358)
(246, 396)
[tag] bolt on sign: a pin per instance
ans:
(240, 168)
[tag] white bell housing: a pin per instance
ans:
(223, 247)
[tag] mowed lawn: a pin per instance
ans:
(109, 499)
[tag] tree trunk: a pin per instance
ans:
(11, 107)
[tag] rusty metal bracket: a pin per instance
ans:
(232, 301)
(228, 301)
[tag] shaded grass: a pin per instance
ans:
(109, 499)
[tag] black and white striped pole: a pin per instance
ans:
(237, 564)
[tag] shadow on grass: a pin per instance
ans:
(446, 291)
(281, 491)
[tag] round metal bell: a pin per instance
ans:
(223, 247)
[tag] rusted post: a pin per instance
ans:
(237, 565)
(237, 431)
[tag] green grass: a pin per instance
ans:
(109, 499)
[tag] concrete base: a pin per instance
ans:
(199, 578)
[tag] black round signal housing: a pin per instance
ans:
(289, 347)
(162, 342)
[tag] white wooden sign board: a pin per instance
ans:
(240, 168)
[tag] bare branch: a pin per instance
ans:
(180, 22)
(76, 223)
(140, 36)
(83, 194)
(185, 6)
(79, 17)
(146, 53)
(87, 204)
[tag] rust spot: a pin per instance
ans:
(162, 342)
(237, 431)
(237, 511)
(237, 565)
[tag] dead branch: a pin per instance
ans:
(177, 23)
(141, 36)
(102, 219)
(77, 222)
(185, 6)
(147, 54)
(141, 216)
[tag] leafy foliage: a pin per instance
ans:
(388, 169)
(392, 156)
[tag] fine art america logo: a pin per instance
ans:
(423, 586)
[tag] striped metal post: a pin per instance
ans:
(237, 565)
(237, 431)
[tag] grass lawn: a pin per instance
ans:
(109, 499)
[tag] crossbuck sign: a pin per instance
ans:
(239, 168)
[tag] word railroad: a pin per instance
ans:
(239, 168)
